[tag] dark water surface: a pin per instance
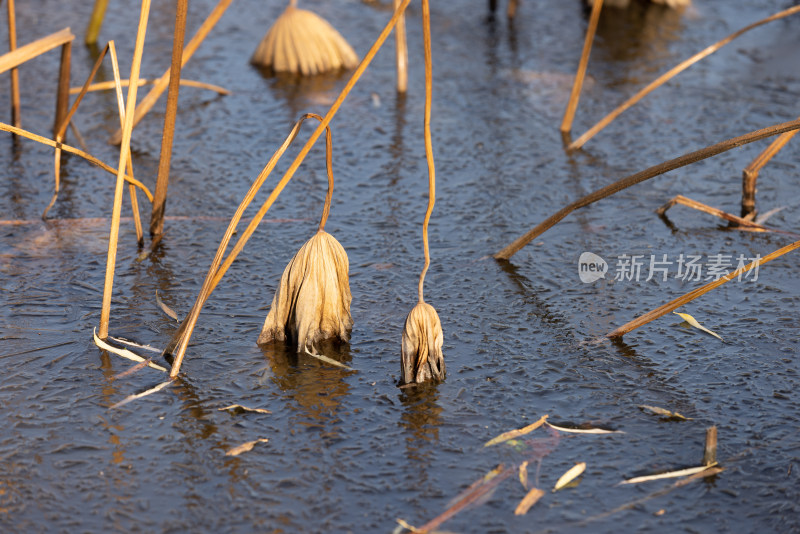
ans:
(348, 451)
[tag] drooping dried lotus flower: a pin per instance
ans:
(312, 302)
(422, 357)
(302, 41)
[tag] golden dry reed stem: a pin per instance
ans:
(750, 173)
(105, 310)
(426, 41)
(401, 52)
(326, 208)
(16, 119)
(161, 85)
(215, 273)
(641, 176)
(579, 142)
(690, 296)
(72, 150)
(575, 95)
(181, 338)
(103, 86)
(62, 95)
(690, 203)
(95, 21)
(162, 181)
(37, 48)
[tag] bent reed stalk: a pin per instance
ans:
(177, 346)
(661, 80)
(641, 176)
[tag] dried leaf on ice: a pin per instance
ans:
(523, 474)
(570, 475)
(529, 500)
(150, 391)
(166, 309)
(125, 353)
(238, 408)
(663, 412)
(312, 302)
(584, 430)
(421, 354)
(505, 436)
(670, 474)
(244, 447)
(132, 343)
(331, 361)
(303, 42)
(692, 321)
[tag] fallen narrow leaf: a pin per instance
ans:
(150, 391)
(692, 321)
(407, 526)
(661, 411)
(328, 360)
(505, 436)
(671, 474)
(523, 474)
(584, 430)
(238, 408)
(132, 343)
(244, 447)
(125, 353)
(570, 475)
(166, 309)
(529, 500)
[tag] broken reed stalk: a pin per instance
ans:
(180, 340)
(641, 176)
(72, 150)
(688, 202)
(162, 181)
(102, 86)
(62, 92)
(401, 52)
(750, 173)
(95, 21)
(161, 85)
(661, 80)
(16, 119)
(105, 310)
(575, 95)
(710, 450)
(690, 296)
(37, 48)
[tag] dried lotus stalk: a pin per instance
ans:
(302, 41)
(312, 303)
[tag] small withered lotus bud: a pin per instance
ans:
(422, 357)
(312, 303)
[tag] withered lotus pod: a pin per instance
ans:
(312, 302)
(303, 42)
(422, 358)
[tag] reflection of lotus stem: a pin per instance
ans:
(426, 39)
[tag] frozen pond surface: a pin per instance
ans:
(348, 451)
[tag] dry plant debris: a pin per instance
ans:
(244, 447)
(531, 498)
(125, 353)
(573, 473)
(421, 355)
(303, 42)
(692, 321)
(511, 434)
(238, 408)
(664, 412)
(670, 474)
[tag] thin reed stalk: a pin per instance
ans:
(426, 36)
(575, 94)
(103, 86)
(161, 85)
(31, 50)
(72, 150)
(162, 181)
(62, 92)
(95, 21)
(661, 80)
(179, 342)
(401, 52)
(700, 291)
(16, 118)
(218, 267)
(690, 203)
(641, 176)
(105, 310)
(750, 173)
